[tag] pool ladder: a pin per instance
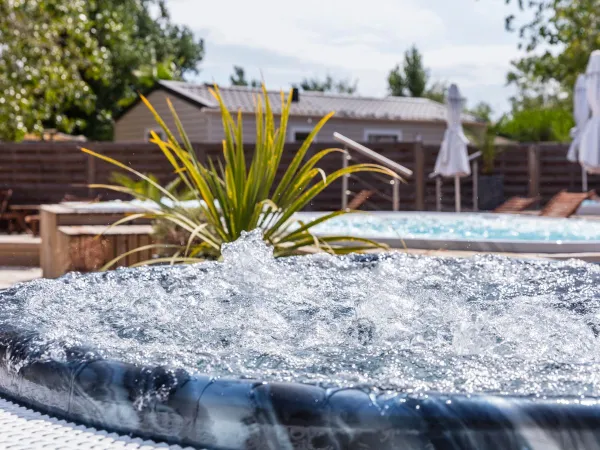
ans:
(368, 188)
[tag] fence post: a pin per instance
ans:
(419, 175)
(533, 159)
(395, 195)
(345, 159)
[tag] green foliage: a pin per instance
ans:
(568, 32)
(396, 82)
(36, 86)
(239, 78)
(72, 65)
(148, 74)
(482, 111)
(328, 85)
(537, 124)
(147, 188)
(238, 196)
(172, 236)
(412, 78)
(488, 150)
(416, 76)
(437, 92)
(484, 142)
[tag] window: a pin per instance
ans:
(382, 136)
(159, 131)
(300, 134)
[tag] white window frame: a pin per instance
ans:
(382, 131)
(295, 130)
(157, 130)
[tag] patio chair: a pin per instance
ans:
(14, 219)
(33, 222)
(360, 198)
(565, 204)
(516, 205)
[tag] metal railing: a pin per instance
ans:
(399, 169)
(474, 159)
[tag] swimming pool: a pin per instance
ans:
(474, 231)
(431, 230)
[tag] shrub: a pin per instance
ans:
(237, 196)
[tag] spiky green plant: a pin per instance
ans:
(237, 197)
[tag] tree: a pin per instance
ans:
(75, 65)
(410, 80)
(396, 82)
(437, 92)
(567, 29)
(239, 78)
(36, 85)
(328, 85)
(415, 74)
(482, 111)
(148, 74)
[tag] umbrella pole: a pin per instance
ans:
(438, 193)
(457, 193)
(584, 182)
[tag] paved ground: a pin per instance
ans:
(12, 275)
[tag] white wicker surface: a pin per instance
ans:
(22, 428)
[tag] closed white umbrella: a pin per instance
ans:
(589, 148)
(581, 113)
(453, 158)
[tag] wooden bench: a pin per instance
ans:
(86, 248)
(53, 217)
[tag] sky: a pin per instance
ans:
(462, 41)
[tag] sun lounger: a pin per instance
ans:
(565, 204)
(515, 205)
(360, 198)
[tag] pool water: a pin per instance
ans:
(481, 325)
(423, 226)
(456, 227)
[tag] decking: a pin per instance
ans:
(20, 250)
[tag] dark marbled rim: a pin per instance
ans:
(172, 406)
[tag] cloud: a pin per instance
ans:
(462, 40)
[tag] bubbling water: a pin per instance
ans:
(481, 325)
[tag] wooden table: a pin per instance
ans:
(25, 207)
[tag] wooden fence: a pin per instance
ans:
(44, 172)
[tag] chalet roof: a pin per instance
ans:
(319, 103)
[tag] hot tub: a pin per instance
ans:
(379, 351)
(483, 232)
